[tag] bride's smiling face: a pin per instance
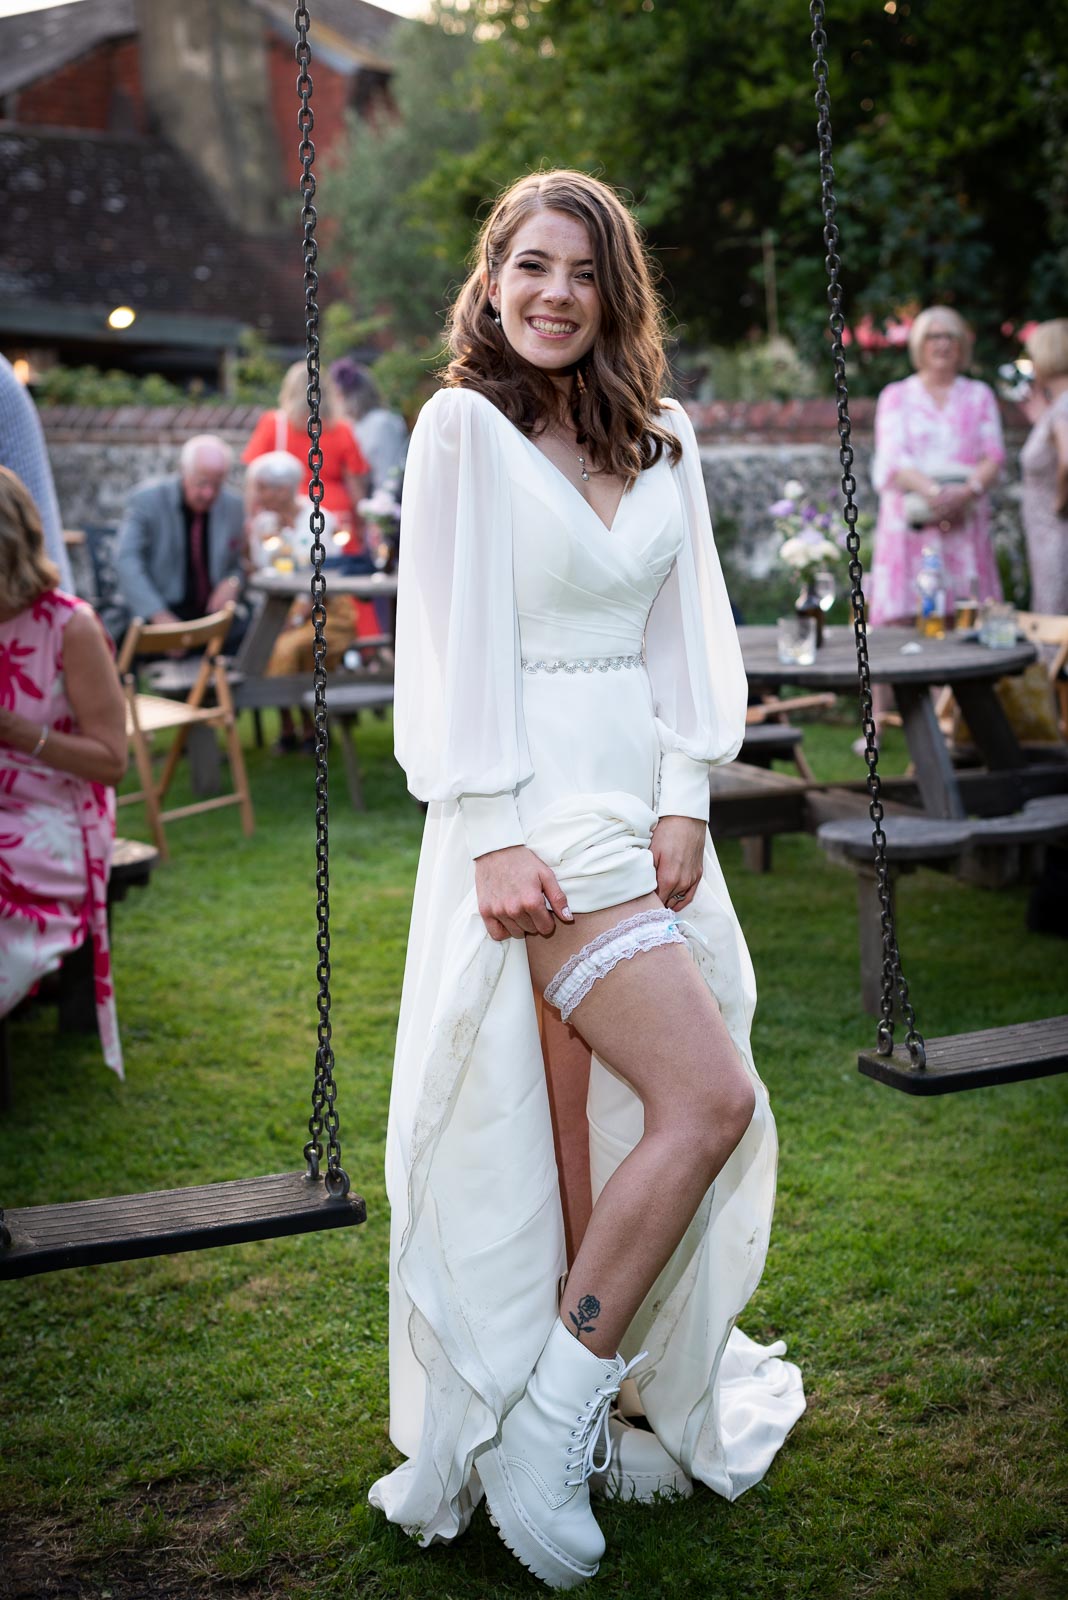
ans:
(546, 291)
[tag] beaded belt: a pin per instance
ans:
(583, 664)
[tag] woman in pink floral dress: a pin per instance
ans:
(62, 748)
(938, 446)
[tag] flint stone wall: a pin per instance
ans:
(749, 451)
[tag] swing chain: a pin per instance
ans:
(324, 1116)
(892, 969)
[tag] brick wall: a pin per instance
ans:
(330, 99)
(83, 94)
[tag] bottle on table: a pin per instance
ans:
(931, 596)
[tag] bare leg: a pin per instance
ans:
(567, 1074)
(653, 1020)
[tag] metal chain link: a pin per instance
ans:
(892, 970)
(324, 1117)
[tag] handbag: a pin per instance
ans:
(919, 512)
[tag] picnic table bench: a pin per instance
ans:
(344, 703)
(976, 848)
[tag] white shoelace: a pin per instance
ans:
(593, 1429)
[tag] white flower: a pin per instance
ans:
(794, 490)
(800, 554)
(380, 504)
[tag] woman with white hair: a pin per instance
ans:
(277, 513)
(1044, 468)
(938, 450)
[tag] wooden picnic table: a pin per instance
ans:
(280, 589)
(912, 667)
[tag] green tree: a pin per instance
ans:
(401, 242)
(951, 133)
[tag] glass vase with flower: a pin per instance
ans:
(807, 551)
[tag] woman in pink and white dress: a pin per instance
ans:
(938, 450)
(567, 670)
(62, 749)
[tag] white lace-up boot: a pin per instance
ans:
(640, 1468)
(536, 1475)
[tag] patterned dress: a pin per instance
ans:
(1046, 532)
(911, 430)
(56, 830)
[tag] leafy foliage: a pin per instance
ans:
(950, 121)
(401, 240)
(255, 374)
(89, 386)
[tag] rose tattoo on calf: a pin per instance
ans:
(589, 1309)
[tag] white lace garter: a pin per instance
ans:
(577, 976)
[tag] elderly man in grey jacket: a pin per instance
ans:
(181, 544)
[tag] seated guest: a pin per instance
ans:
(62, 749)
(181, 543)
(278, 535)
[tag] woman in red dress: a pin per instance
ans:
(344, 472)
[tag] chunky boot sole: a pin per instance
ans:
(523, 1538)
(641, 1469)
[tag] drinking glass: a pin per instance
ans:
(795, 638)
(997, 626)
(825, 588)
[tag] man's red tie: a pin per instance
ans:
(199, 559)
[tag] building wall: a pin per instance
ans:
(100, 92)
(205, 70)
(330, 99)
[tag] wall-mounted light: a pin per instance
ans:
(122, 317)
(21, 369)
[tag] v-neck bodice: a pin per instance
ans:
(583, 589)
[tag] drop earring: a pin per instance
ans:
(496, 316)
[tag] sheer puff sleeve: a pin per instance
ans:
(458, 714)
(692, 651)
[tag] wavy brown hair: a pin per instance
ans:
(620, 380)
(25, 570)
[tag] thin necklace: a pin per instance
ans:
(583, 474)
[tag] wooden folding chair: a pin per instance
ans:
(1043, 629)
(147, 714)
(770, 712)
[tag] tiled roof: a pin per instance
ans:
(35, 44)
(364, 28)
(102, 220)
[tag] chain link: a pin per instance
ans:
(324, 1117)
(892, 969)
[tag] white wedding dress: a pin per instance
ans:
(559, 684)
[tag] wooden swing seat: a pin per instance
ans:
(974, 1060)
(130, 1227)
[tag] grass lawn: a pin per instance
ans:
(208, 1424)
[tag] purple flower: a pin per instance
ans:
(824, 520)
(782, 508)
(810, 512)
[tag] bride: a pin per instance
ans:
(581, 1158)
